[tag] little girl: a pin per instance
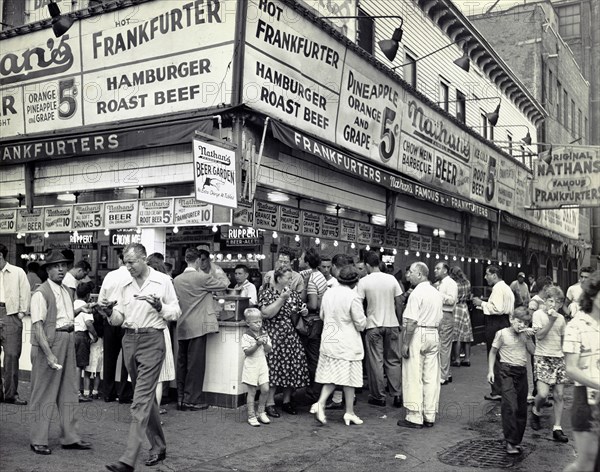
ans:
(255, 373)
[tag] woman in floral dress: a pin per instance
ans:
(287, 360)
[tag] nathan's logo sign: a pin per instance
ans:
(36, 62)
(436, 132)
(568, 176)
(214, 174)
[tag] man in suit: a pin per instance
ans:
(53, 367)
(14, 303)
(198, 318)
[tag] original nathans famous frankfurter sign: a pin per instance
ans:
(146, 60)
(568, 175)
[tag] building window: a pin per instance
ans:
(569, 20)
(565, 109)
(509, 138)
(410, 68)
(366, 32)
(572, 117)
(579, 123)
(558, 101)
(444, 94)
(585, 131)
(461, 106)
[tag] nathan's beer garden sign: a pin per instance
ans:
(567, 175)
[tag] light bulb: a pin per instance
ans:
(437, 256)
(381, 249)
(418, 254)
(427, 255)
(454, 258)
(215, 229)
(476, 261)
(175, 229)
(335, 243)
(46, 235)
(500, 263)
(462, 259)
(228, 257)
(297, 238)
(138, 230)
(352, 246)
(75, 234)
(106, 232)
(394, 252)
(212, 256)
(275, 235)
(19, 235)
(489, 262)
(510, 264)
(519, 266)
(239, 256)
(446, 257)
(317, 241)
(367, 248)
(406, 252)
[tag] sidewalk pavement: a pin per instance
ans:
(220, 440)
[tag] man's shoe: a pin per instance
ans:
(119, 467)
(125, 401)
(272, 411)
(15, 401)
(409, 424)
(398, 402)
(40, 449)
(376, 402)
(535, 422)
(154, 459)
(81, 445)
(193, 406)
(110, 399)
(428, 424)
(493, 397)
(559, 436)
(289, 408)
(84, 399)
(447, 381)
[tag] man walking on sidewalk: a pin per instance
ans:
(449, 291)
(384, 310)
(497, 311)
(15, 292)
(144, 304)
(420, 350)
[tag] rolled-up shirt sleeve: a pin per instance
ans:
(38, 308)
(171, 311)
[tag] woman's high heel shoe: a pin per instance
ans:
(348, 418)
(316, 410)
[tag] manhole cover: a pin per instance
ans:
(481, 453)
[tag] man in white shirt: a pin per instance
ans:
(144, 305)
(384, 310)
(53, 365)
(497, 310)
(15, 292)
(521, 290)
(574, 291)
(420, 350)
(449, 291)
(241, 274)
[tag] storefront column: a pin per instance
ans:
(154, 240)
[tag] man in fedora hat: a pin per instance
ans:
(53, 372)
(14, 303)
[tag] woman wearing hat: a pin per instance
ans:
(341, 353)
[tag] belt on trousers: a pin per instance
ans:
(428, 327)
(141, 330)
(66, 329)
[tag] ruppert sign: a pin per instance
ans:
(146, 60)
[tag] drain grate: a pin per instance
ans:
(483, 453)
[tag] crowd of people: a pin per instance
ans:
(328, 328)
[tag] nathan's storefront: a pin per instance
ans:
(185, 139)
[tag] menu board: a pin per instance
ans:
(378, 237)
(8, 221)
(311, 223)
(121, 214)
(58, 218)
(414, 242)
(266, 215)
(289, 219)
(331, 227)
(365, 233)
(155, 212)
(30, 222)
(348, 230)
(189, 211)
(391, 238)
(426, 243)
(88, 216)
(243, 215)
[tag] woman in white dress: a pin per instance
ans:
(341, 352)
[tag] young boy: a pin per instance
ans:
(85, 334)
(513, 344)
(549, 362)
(255, 373)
